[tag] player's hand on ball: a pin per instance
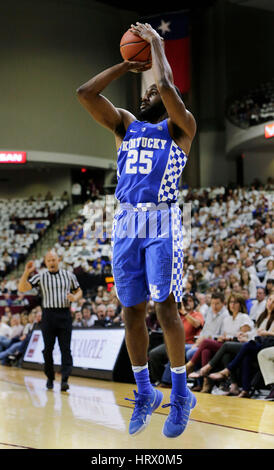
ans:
(30, 266)
(145, 31)
(138, 67)
(70, 297)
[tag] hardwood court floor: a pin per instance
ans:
(94, 415)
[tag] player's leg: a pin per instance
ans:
(182, 400)
(165, 282)
(136, 333)
(169, 319)
(147, 399)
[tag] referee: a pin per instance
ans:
(58, 287)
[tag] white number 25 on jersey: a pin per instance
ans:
(145, 161)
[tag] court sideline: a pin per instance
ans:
(94, 415)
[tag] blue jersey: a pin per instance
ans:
(149, 164)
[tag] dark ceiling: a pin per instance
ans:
(153, 8)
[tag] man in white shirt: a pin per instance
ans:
(252, 270)
(204, 303)
(16, 331)
(213, 325)
(5, 329)
(259, 304)
(76, 191)
(265, 256)
(11, 285)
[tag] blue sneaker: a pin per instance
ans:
(144, 406)
(177, 419)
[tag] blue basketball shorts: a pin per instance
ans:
(147, 254)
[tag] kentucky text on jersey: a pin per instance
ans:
(144, 142)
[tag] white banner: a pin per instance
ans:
(90, 349)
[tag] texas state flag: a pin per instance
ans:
(174, 29)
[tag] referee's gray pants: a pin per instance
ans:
(57, 323)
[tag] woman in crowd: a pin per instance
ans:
(247, 282)
(270, 271)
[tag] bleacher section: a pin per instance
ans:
(23, 222)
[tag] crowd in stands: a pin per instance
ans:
(255, 107)
(23, 221)
(15, 332)
(228, 280)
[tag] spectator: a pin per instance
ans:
(76, 192)
(270, 271)
(204, 303)
(223, 284)
(16, 350)
(89, 317)
(247, 282)
(8, 314)
(16, 332)
(261, 266)
(269, 288)
(11, 285)
(78, 319)
(238, 321)
(266, 364)
(48, 196)
(248, 352)
(259, 304)
(213, 325)
(65, 196)
(110, 312)
(21, 300)
(5, 329)
(8, 299)
(248, 301)
(232, 268)
(151, 318)
(102, 320)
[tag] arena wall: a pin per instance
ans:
(47, 50)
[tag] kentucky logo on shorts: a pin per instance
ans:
(154, 291)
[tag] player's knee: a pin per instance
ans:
(169, 321)
(133, 318)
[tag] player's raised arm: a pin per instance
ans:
(163, 76)
(101, 109)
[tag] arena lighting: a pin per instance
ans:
(13, 157)
(269, 130)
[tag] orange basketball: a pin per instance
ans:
(133, 47)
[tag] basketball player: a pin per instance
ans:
(152, 153)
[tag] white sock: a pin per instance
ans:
(139, 368)
(178, 370)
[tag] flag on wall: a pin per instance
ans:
(174, 29)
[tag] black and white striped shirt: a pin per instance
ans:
(55, 287)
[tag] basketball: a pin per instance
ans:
(133, 47)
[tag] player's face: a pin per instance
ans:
(150, 96)
(152, 107)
